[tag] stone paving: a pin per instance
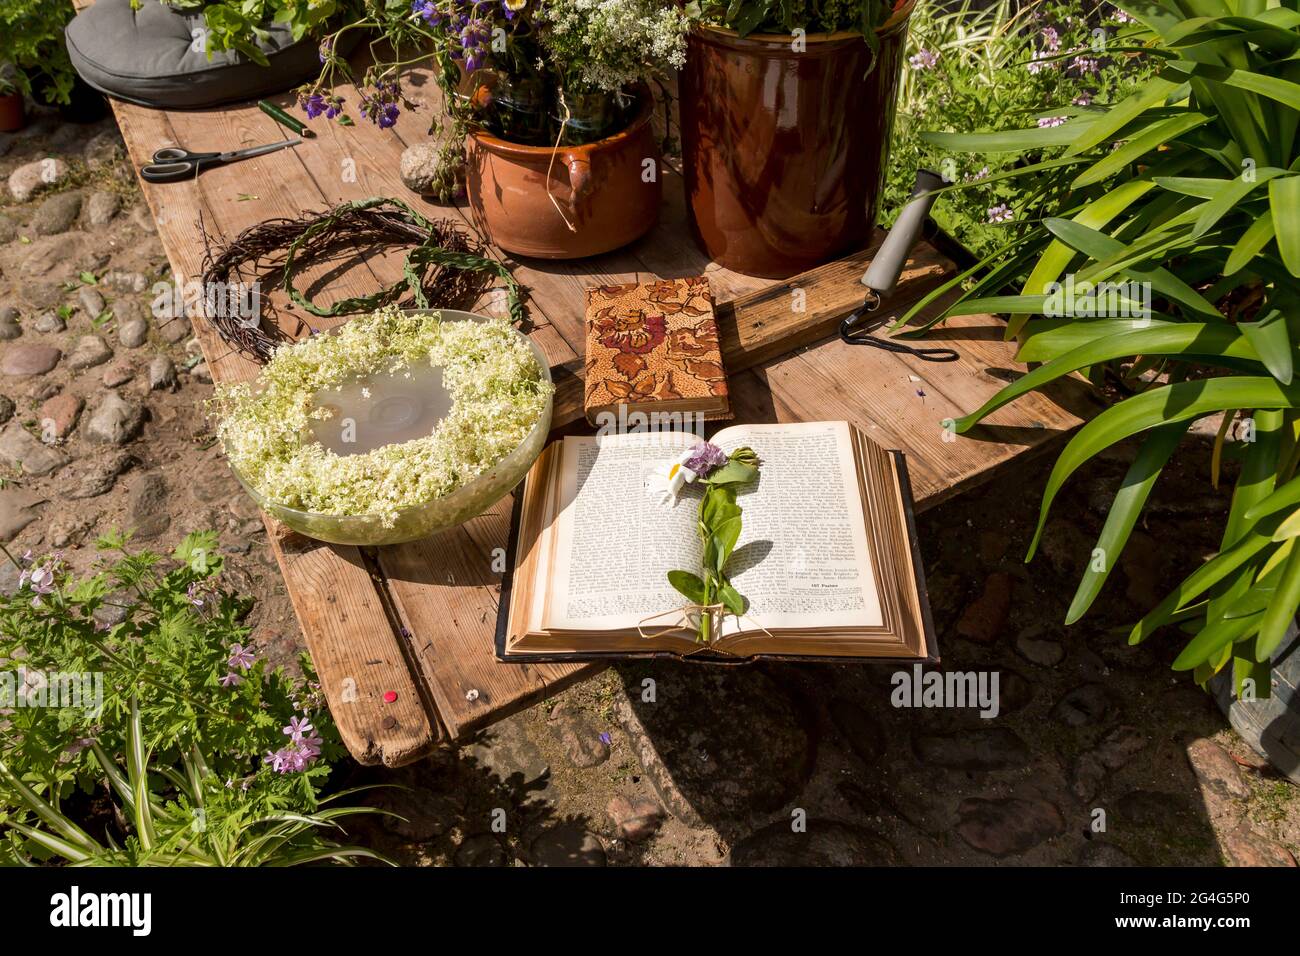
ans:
(1100, 754)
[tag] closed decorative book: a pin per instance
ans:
(653, 347)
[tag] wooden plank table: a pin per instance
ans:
(417, 620)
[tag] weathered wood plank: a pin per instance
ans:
(354, 648)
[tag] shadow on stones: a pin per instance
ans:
(487, 803)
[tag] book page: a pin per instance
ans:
(615, 543)
(802, 559)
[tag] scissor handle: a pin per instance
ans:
(172, 154)
(169, 172)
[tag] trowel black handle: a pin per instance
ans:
(882, 275)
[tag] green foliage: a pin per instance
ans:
(993, 65)
(128, 681)
(32, 51)
(719, 525)
(786, 16)
(236, 24)
(1186, 185)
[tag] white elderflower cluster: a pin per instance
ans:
(611, 44)
(498, 393)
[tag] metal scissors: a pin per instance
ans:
(173, 163)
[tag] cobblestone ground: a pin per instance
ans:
(1101, 755)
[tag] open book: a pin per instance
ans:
(826, 559)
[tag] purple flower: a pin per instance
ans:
(41, 581)
(196, 593)
(604, 738)
(295, 757)
(231, 680)
(1084, 64)
(703, 457)
(241, 657)
(1000, 213)
(1051, 39)
(427, 11)
(1083, 99)
(314, 105)
(298, 728)
(924, 60)
(1049, 121)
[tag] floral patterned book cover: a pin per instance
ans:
(653, 347)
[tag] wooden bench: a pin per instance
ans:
(417, 620)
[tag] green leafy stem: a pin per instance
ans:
(719, 526)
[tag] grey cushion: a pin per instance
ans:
(147, 56)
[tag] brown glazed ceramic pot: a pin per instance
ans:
(13, 112)
(601, 188)
(785, 152)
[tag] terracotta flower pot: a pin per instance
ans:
(601, 188)
(13, 113)
(785, 150)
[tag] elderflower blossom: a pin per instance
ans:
(498, 394)
(611, 44)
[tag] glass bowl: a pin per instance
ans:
(438, 514)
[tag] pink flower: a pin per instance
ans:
(298, 728)
(1049, 121)
(923, 60)
(1000, 213)
(1038, 64)
(231, 680)
(1083, 99)
(1084, 64)
(1051, 39)
(1119, 16)
(240, 657)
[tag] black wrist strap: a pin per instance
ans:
(852, 332)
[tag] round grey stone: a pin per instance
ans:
(28, 359)
(101, 207)
(148, 503)
(115, 421)
(994, 748)
(418, 167)
(1005, 826)
(92, 303)
(56, 214)
(49, 323)
(1086, 704)
(162, 373)
(9, 327)
(30, 178)
(90, 350)
(133, 333)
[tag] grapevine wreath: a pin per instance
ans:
(444, 265)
